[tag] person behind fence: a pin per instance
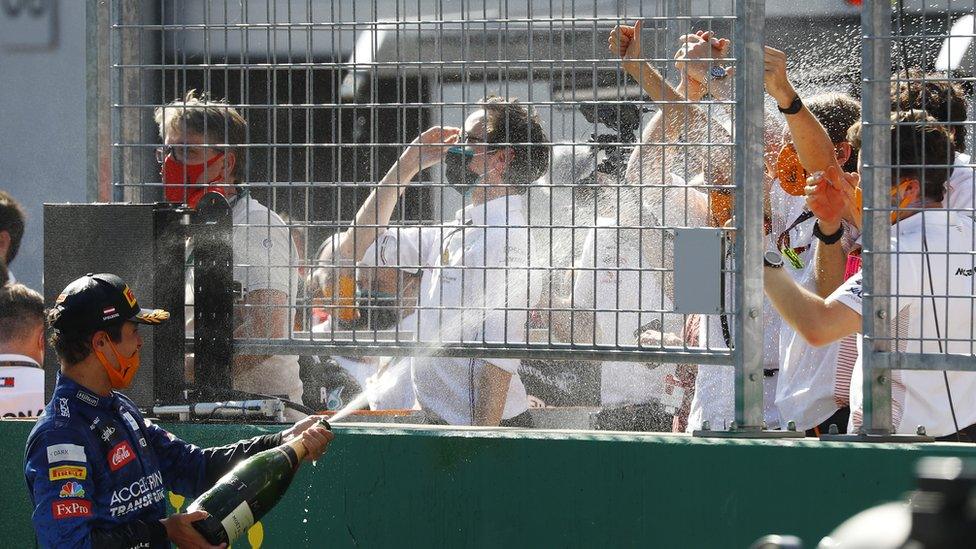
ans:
(608, 294)
(475, 286)
(812, 387)
(12, 218)
(203, 152)
(21, 351)
(944, 100)
(675, 121)
(387, 281)
(96, 470)
(704, 200)
(931, 280)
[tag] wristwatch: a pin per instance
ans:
(794, 107)
(718, 72)
(773, 259)
(827, 238)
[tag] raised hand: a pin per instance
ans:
(695, 48)
(833, 196)
(778, 84)
(625, 42)
(427, 150)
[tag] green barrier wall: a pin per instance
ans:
(401, 487)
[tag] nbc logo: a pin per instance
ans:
(72, 490)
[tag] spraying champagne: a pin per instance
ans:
(248, 492)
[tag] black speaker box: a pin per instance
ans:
(145, 245)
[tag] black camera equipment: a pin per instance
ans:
(624, 119)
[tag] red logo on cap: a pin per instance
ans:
(120, 455)
(71, 508)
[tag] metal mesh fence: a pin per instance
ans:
(918, 245)
(540, 225)
(390, 213)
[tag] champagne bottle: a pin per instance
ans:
(245, 494)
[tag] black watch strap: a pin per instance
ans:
(794, 107)
(827, 238)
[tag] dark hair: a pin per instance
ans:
(508, 121)
(216, 121)
(11, 220)
(934, 93)
(920, 146)
(837, 112)
(21, 310)
(73, 347)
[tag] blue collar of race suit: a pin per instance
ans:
(67, 387)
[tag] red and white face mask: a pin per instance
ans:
(181, 181)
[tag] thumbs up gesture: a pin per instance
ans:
(625, 42)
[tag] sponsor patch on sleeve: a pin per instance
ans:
(72, 489)
(63, 472)
(7, 382)
(66, 452)
(71, 508)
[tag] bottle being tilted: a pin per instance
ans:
(245, 494)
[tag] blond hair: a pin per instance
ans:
(215, 120)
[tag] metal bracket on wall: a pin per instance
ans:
(213, 294)
(748, 432)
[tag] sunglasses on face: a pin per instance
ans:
(184, 154)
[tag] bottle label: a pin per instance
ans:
(238, 521)
(290, 454)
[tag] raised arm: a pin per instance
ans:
(425, 151)
(829, 196)
(811, 140)
(375, 213)
(677, 121)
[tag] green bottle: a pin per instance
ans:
(245, 494)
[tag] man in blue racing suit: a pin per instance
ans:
(97, 471)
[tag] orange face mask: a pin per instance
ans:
(905, 201)
(792, 177)
(721, 203)
(121, 378)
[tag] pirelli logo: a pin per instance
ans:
(67, 471)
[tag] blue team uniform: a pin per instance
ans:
(98, 472)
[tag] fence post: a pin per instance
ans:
(749, 33)
(876, 228)
(98, 106)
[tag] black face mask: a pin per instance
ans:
(456, 170)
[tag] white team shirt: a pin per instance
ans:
(608, 278)
(263, 254)
(21, 387)
(806, 391)
(960, 187)
(810, 388)
(475, 289)
(919, 397)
